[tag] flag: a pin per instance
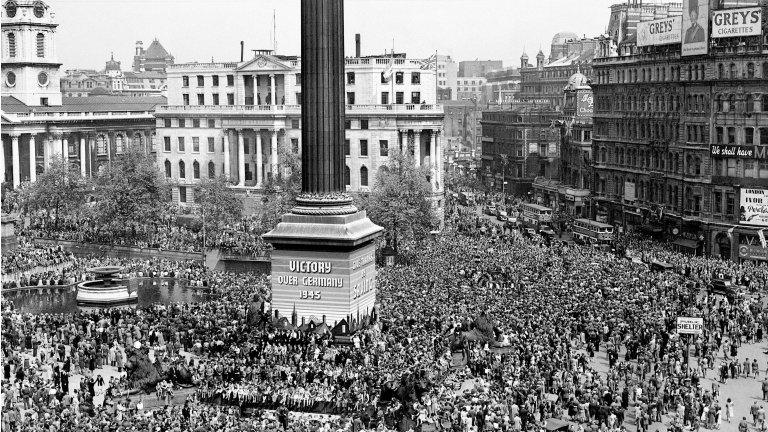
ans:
(429, 63)
(761, 235)
(730, 233)
(387, 74)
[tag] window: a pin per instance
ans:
(363, 176)
(750, 103)
(749, 135)
(101, 145)
(732, 71)
(731, 167)
(750, 70)
(350, 98)
(363, 147)
(200, 81)
(40, 45)
(364, 124)
(298, 98)
(215, 98)
(212, 123)
(350, 77)
(415, 97)
(196, 169)
(730, 203)
(764, 107)
(167, 168)
(717, 202)
(385, 98)
(230, 98)
(185, 81)
(346, 175)
(230, 80)
(215, 80)
(384, 78)
(10, 9)
(211, 144)
(346, 147)
(383, 148)
(119, 144)
(167, 122)
(181, 144)
(195, 123)
(182, 123)
(200, 99)
(182, 193)
(731, 135)
(167, 143)
(399, 97)
(398, 77)
(295, 145)
(12, 44)
(182, 172)
(347, 124)
(298, 79)
(196, 144)
(295, 124)
(185, 98)
(211, 169)
(415, 78)
(764, 136)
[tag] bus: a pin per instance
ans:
(589, 231)
(466, 198)
(535, 216)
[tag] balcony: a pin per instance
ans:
(79, 116)
(394, 109)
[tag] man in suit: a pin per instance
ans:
(695, 33)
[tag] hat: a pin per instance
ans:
(693, 5)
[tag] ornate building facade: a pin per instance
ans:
(233, 118)
(667, 133)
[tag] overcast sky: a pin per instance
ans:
(194, 30)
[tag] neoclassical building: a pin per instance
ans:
(231, 118)
(38, 124)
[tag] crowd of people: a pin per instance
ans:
(29, 256)
(484, 330)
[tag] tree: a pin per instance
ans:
(130, 192)
(59, 191)
(219, 205)
(280, 192)
(400, 200)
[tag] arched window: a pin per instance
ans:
(732, 71)
(750, 70)
(137, 141)
(346, 175)
(718, 103)
(731, 103)
(101, 145)
(363, 176)
(211, 169)
(182, 171)
(750, 103)
(765, 103)
(167, 168)
(12, 44)
(720, 71)
(119, 144)
(688, 164)
(765, 70)
(697, 166)
(196, 169)
(40, 45)
(603, 155)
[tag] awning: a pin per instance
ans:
(690, 244)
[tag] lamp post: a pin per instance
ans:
(504, 159)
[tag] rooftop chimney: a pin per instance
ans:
(242, 48)
(357, 45)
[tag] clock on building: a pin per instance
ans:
(42, 79)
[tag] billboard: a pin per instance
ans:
(753, 207)
(660, 32)
(334, 285)
(695, 30)
(629, 191)
(687, 325)
(737, 22)
(585, 103)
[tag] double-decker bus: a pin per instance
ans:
(589, 231)
(535, 216)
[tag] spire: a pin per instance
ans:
(112, 55)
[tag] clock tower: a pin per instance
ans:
(30, 70)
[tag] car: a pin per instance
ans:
(490, 209)
(501, 215)
(511, 222)
(547, 232)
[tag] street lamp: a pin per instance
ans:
(504, 159)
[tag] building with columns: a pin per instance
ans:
(39, 124)
(222, 119)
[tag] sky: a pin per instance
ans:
(195, 30)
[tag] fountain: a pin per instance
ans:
(106, 289)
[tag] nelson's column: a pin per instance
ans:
(323, 265)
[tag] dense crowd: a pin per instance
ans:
(484, 330)
(28, 256)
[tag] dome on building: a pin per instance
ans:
(112, 65)
(563, 37)
(577, 81)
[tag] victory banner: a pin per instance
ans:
(695, 31)
(737, 22)
(660, 32)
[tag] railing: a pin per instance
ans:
(297, 63)
(195, 65)
(296, 109)
(83, 115)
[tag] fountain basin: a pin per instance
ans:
(105, 292)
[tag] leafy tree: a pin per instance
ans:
(59, 191)
(280, 193)
(462, 181)
(130, 192)
(400, 200)
(219, 205)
